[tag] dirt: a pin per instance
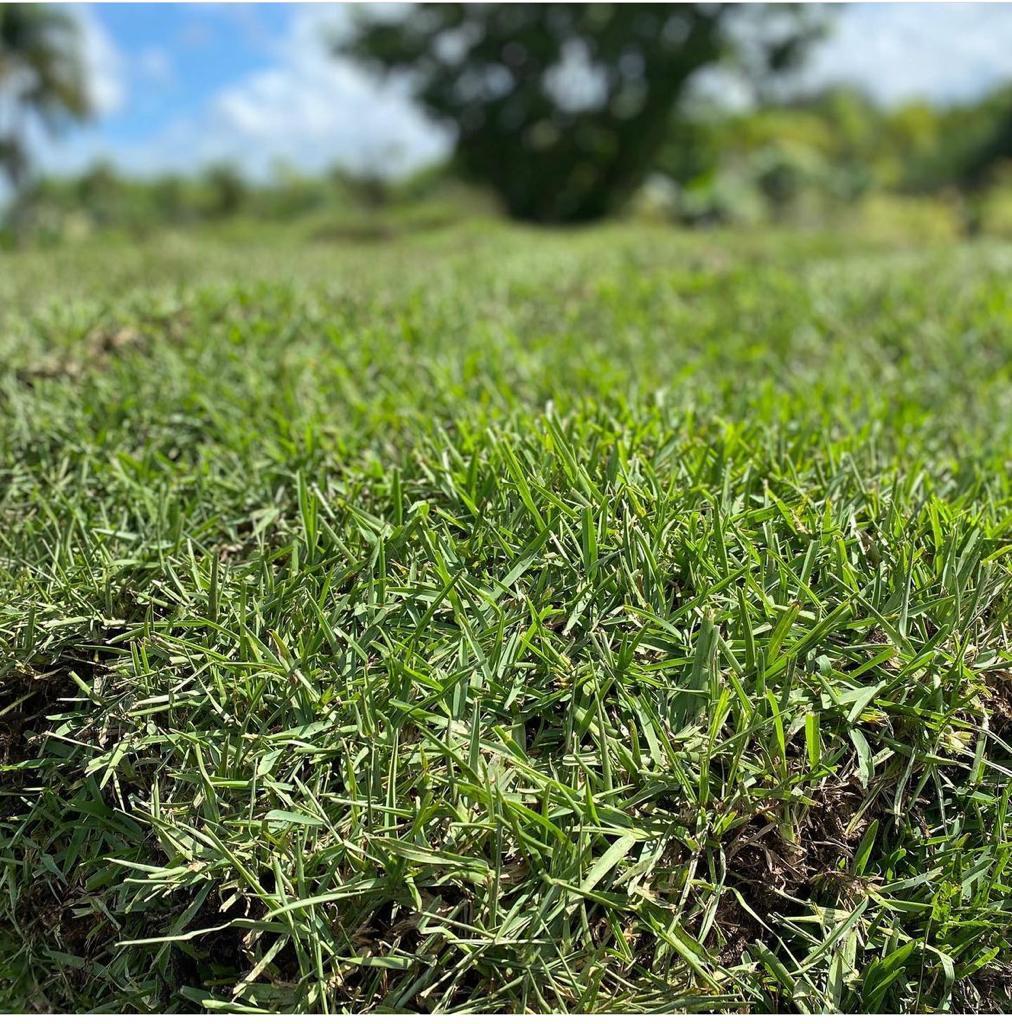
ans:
(30, 699)
(766, 869)
(65, 914)
(216, 960)
(104, 343)
(830, 833)
(997, 702)
(99, 346)
(987, 991)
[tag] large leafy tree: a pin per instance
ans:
(42, 77)
(561, 108)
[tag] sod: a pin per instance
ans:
(506, 621)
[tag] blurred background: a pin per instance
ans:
(371, 122)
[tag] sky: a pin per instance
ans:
(178, 86)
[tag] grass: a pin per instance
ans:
(504, 620)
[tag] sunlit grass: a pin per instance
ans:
(506, 621)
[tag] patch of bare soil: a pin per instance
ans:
(216, 960)
(765, 867)
(997, 700)
(830, 834)
(66, 916)
(99, 347)
(25, 703)
(987, 991)
(28, 699)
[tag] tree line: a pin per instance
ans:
(561, 112)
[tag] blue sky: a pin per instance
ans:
(179, 85)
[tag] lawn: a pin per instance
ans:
(502, 620)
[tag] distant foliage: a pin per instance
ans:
(562, 108)
(832, 157)
(818, 155)
(50, 209)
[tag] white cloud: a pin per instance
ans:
(313, 108)
(103, 63)
(306, 107)
(896, 52)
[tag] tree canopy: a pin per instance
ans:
(561, 108)
(41, 77)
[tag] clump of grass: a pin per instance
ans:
(616, 622)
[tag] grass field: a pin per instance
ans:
(502, 620)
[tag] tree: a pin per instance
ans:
(561, 108)
(994, 144)
(227, 191)
(41, 78)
